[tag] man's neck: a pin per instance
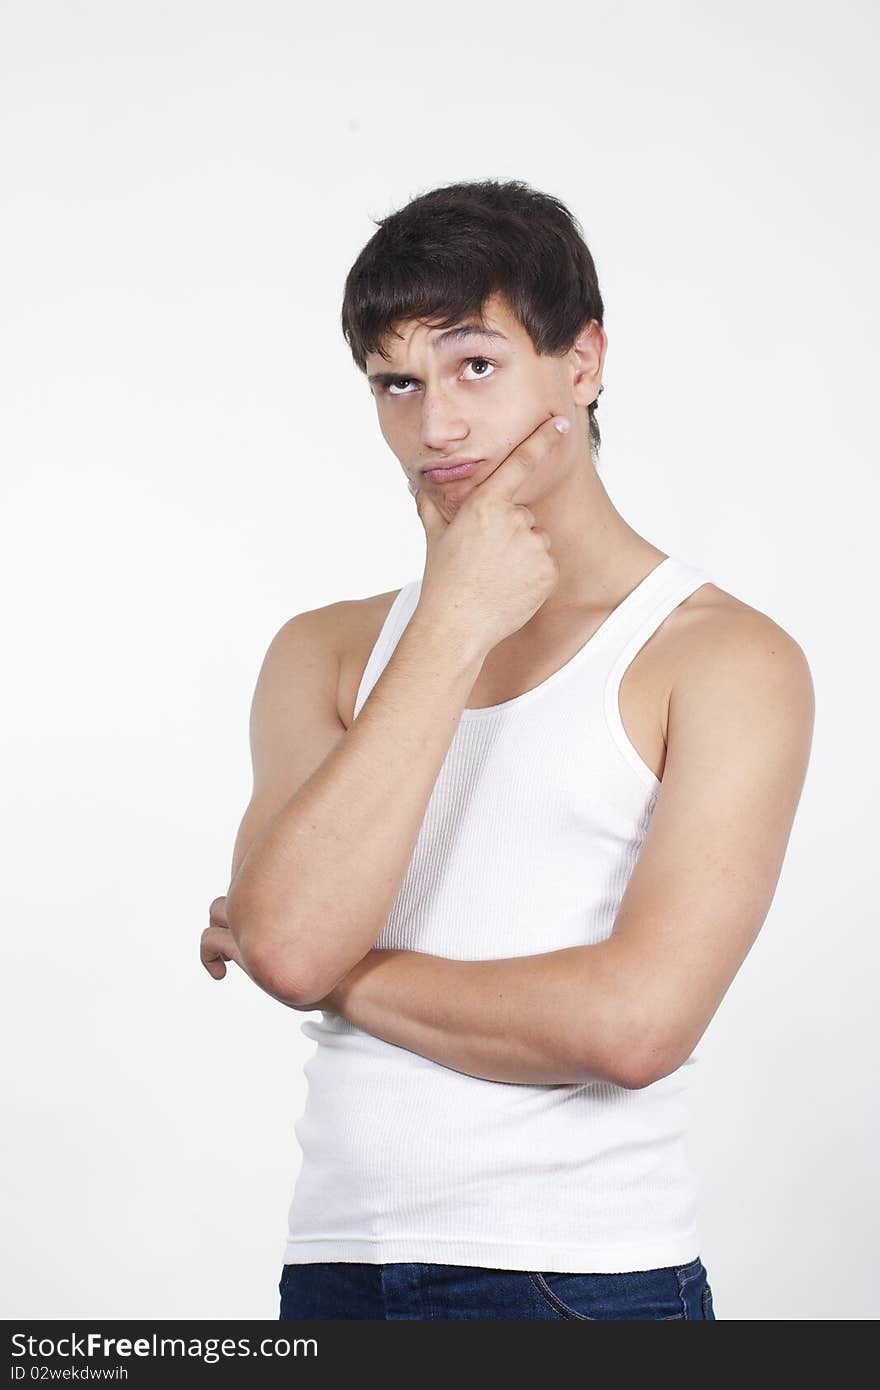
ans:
(601, 557)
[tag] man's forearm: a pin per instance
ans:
(555, 1018)
(314, 890)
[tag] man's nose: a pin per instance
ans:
(442, 421)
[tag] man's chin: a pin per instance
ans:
(453, 494)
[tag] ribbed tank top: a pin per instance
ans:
(531, 832)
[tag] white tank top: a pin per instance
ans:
(532, 830)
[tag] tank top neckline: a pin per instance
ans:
(602, 632)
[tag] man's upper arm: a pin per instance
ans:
(294, 719)
(738, 745)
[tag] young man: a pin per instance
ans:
(514, 826)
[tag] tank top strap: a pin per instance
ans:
(655, 599)
(396, 619)
(644, 609)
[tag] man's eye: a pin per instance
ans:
(487, 363)
(468, 362)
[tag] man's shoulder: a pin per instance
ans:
(336, 625)
(715, 622)
(341, 634)
(729, 651)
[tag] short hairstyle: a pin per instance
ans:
(444, 253)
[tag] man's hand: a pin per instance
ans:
(493, 550)
(218, 945)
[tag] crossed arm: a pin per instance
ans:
(633, 1008)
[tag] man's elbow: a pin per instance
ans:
(641, 1064)
(623, 1063)
(271, 975)
(640, 1055)
(638, 1071)
(629, 1073)
(267, 960)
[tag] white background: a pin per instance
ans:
(190, 457)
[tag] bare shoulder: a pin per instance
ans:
(716, 626)
(337, 638)
(729, 654)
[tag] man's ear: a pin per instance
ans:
(586, 359)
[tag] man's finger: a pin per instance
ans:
(216, 948)
(510, 472)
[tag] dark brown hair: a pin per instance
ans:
(444, 253)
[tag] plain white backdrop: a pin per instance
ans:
(190, 457)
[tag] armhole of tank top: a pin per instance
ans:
(387, 634)
(685, 585)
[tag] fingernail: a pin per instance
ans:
(562, 424)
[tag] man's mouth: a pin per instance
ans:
(452, 471)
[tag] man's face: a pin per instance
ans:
(444, 398)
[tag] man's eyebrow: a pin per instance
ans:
(448, 338)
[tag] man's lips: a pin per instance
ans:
(451, 470)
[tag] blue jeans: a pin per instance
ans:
(338, 1289)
